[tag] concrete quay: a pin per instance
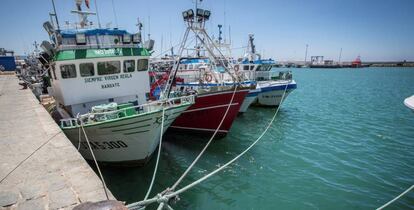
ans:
(55, 176)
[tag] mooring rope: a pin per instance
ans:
(206, 146)
(31, 154)
(171, 195)
(168, 194)
(94, 159)
(396, 198)
(80, 138)
(158, 156)
(149, 201)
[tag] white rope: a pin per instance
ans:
(206, 146)
(94, 159)
(80, 137)
(171, 195)
(396, 198)
(153, 200)
(158, 156)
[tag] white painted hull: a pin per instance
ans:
(272, 92)
(409, 102)
(271, 98)
(250, 98)
(125, 141)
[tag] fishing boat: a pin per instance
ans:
(271, 85)
(206, 73)
(99, 79)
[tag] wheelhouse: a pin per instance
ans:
(97, 66)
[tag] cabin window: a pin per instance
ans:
(251, 67)
(246, 68)
(190, 67)
(68, 71)
(129, 66)
(109, 67)
(86, 69)
(142, 64)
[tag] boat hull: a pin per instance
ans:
(271, 93)
(249, 100)
(127, 141)
(207, 112)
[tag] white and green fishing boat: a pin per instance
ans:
(100, 81)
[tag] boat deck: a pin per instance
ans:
(55, 176)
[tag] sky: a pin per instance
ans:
(377, 30)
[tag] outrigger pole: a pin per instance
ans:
(55, 14)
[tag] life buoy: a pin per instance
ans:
(236, 68)
(208, 77)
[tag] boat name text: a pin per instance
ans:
(105, 145)
(108, 78)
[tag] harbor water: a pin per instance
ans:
(342, 140)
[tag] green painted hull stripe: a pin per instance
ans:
(124, 124)
(125, 118)
(136, 132)
(126, 129)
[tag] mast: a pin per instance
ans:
(220, 33)
(306, 53)
(340, 55)
(55, 14)
(83, 15)
(195, 21)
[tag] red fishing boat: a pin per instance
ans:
(219, 92)
(209, 110)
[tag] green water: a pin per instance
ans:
(342, 140)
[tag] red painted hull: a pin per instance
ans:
(206, 114)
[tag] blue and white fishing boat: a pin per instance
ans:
(270, 84)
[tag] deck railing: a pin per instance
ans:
(94, 117)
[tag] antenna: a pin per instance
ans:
(224, 19)
(113, 9)
(306, 53)
(340, 55)
(162, 42)
(97, 14)
(36, 45)
(149, 27)
(229, 34)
